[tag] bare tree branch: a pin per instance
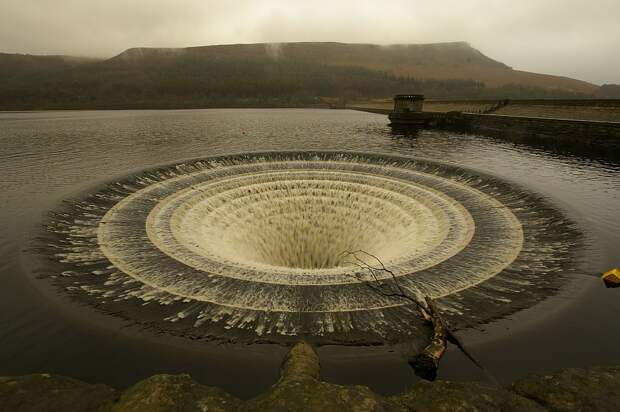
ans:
(426, 363)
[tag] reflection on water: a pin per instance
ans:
(48, 156)
(404, 132)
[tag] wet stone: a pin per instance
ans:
(53, 393)
(299, 389)
(313, 395)
(592, 389)
(444, 396)
(174, 393)
(301, 362)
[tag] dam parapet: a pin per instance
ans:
(592, 136)
(603, 110)
(592, 125)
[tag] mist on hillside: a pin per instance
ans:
(573, 38)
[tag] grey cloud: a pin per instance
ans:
(566, 37)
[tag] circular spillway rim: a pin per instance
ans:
(497, 205)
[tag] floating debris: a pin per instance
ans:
(612, 278)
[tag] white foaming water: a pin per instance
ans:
(303, 222)
(253, 245)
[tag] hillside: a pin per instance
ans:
(440, 61)
(609, 91)
(289, 74)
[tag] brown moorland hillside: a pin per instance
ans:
(440, 61)
(269, 75)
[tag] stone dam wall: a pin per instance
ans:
(605, 110)
(575, 126)
(591, 136)
(301, 389)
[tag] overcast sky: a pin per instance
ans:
(574, 38)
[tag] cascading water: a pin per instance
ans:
(251, 246)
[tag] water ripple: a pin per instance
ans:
(250, 246)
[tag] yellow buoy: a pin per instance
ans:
(612, 278)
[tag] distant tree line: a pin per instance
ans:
(609, 91)
(195, 81)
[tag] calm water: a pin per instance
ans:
(50, 156)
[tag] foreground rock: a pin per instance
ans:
(161, 393)
(460, 397)
(43, 392)
(592, 389)
(300, 389)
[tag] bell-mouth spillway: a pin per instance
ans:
(256, 246)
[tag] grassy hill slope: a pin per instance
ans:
(290, 74)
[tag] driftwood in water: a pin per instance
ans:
(425, 364)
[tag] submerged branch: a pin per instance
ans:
(426, 363)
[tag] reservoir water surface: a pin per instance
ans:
(47, 158)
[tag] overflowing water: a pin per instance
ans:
(234, 246)
(256, 246)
